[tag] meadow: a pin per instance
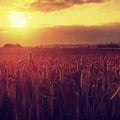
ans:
(59, 84)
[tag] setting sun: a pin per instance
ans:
(17, 20)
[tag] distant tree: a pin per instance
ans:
(111, 45)
(18, 45)
(12, 46)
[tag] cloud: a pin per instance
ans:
(44, 5)
(77, 34)
(52, 5)
(65, 35)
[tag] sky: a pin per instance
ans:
(34, 22)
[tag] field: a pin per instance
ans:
(59, 84)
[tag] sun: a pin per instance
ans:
(18, 19)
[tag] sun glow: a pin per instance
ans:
(18, 20)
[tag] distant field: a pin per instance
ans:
(57, 51)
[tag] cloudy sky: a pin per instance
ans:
(59, 21)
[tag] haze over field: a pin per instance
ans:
(36, 22)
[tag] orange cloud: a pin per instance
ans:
(52, 5)
(64, 35)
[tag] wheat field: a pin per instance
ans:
(40, 85)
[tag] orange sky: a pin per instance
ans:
(50, 13)
(93, 13)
